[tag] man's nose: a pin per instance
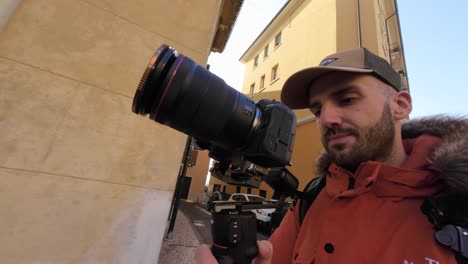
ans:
(330, 115)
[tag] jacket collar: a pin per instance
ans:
(438, 148)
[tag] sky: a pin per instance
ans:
(435, 43)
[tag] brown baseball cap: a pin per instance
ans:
(295, 92)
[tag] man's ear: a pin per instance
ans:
(402, 105)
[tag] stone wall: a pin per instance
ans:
(83, 179)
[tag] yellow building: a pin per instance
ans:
(83, 179)
(300, 36)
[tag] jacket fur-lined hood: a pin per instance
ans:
(450, 156)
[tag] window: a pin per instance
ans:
(265, 52)
(252, 88)
(263, 193)
(238, 190)
(216, 187)
(256, 61)
(274, 73)
(249, 190)
(278, 39)
(239, 198)
(262, 82)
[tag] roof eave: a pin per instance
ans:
(226, 21)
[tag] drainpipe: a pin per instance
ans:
(358, 13)
(177, 191)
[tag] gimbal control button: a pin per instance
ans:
(233, 234)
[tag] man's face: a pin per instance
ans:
(354, 118)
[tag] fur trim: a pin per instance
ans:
(322, 163)
(450, 156)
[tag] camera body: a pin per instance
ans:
(273, 143)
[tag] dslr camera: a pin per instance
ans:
(250, 141)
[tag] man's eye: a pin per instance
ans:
(347, 100)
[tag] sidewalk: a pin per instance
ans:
(181, 248)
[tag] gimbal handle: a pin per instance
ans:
(234, 236)
(234, 230)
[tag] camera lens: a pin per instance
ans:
(177, 92)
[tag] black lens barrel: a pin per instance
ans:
(179, 93)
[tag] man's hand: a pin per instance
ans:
(203, 254)
(265, 252)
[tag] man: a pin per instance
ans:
(378, 171)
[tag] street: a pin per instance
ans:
(201, 220)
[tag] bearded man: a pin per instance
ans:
(378, 169)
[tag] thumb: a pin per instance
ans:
(265, 252)
(203, 255)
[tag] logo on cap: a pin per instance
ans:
(325, 62)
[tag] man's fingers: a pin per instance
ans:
(203, 255)
(265, 252)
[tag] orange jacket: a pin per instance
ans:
(378, 221)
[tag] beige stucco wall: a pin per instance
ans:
(83, 179)
(8, 7)
(307, 32)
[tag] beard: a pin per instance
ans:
(373, 142)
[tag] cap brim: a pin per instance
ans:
(295, 92)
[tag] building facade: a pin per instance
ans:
(301, 34)
(83, 179)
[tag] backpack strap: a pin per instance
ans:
(456, 238)
(311, 191)
(450, 223)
